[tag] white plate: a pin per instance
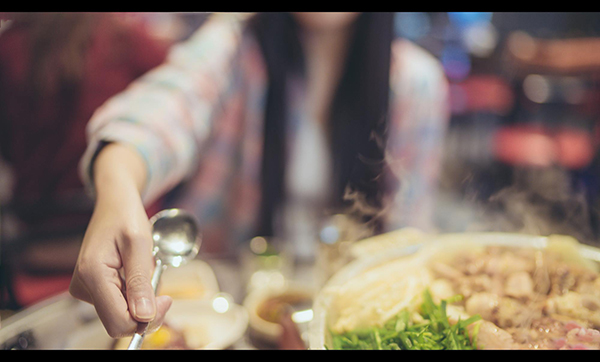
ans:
(204, 327)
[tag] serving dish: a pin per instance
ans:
(264, 301)
(325, 312)
(392, 240)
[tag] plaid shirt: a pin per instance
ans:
(197, 120)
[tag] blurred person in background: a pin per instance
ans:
(264, 122)
(55, 70)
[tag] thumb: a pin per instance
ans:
(140, 298)
(138, 266)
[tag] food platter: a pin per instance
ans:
(326, 306)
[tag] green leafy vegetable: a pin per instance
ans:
(435, 332)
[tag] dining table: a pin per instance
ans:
(52, 322)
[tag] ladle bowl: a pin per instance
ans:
(176, 236)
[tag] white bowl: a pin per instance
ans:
(261, 328)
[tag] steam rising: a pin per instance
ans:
(363, 215)
(540, 201)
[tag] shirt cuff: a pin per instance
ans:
(146, 144)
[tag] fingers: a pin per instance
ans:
(163, 303)
(135, 249)
(77, 289)
(110, 303)
(95, 283)
(121, 300)
(113, 310)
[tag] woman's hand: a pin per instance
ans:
(115, 264)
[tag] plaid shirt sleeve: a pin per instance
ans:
(167, 114)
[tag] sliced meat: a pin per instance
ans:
(485, 304)
(519, 285)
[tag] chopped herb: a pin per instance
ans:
(435, 332)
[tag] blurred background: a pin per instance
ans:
(521, 151)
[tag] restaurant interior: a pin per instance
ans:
(521, 158)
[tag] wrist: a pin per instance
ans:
(119, 172)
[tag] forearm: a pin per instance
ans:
(116, 252)
(165, 117)
(118, 170)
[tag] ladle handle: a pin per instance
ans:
(138, 337)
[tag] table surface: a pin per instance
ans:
(230, 280)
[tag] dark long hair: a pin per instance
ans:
(358, 113)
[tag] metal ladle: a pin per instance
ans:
(177, 239)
